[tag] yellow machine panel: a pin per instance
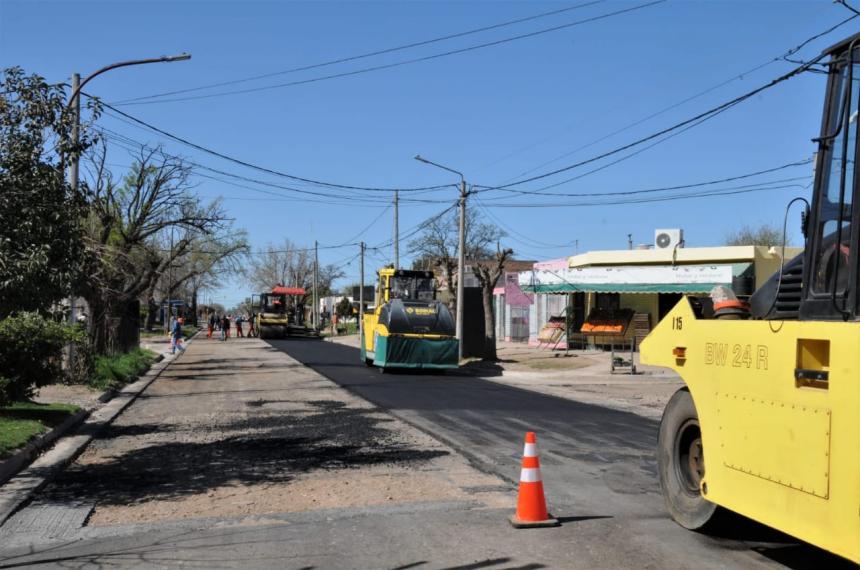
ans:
(778, 405)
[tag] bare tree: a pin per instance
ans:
(198, 269)
(437, 244)
(127, 228)
(765, 234)
(290, 265)
(488, 274)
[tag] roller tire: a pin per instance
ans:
(681, 464)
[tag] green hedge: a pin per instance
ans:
(31, 354)
(115, 371)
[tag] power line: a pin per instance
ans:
(720, 192)
(255, 166)
(666, 188)
(788, 53)
(361, 56)
(529, 242)
(405, 62)
(370, 225)
(329, 197)
(701, 117)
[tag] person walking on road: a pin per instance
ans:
(251, 332)
(176, 337)
(225, 328)
(239, 320)
(211, 325)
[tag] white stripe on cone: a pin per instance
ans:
(530, 475)
(530, 450)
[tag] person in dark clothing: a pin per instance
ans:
(225, 328)
(211, 325)
(176, 337)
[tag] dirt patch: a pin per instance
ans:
(231, 431)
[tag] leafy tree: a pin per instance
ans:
(343, 309)
(41, 243)
(765, 234)
(31, 353)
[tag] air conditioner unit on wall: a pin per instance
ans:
(668, 239)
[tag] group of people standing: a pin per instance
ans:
(223, 323)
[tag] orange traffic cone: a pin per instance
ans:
(531, 503)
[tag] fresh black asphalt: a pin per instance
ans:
(596, 462)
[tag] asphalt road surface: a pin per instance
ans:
(598, 464)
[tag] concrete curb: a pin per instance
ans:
(12, 465)
(19, 490)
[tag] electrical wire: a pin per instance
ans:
(710, 113)
(255, 166)
(112, 135)
(719, 192)
(404, 62)
(788, 53)
(668, 188)
(362, 56)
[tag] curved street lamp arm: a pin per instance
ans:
(162, 59)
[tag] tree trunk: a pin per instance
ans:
(98, 322)
(489, 323)
(193, 316)
(151, 312)
(113, 325)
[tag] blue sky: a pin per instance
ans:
(492, 113)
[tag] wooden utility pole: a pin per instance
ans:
(396, 230)
(361, 295)
(315, 314)
(461, 268)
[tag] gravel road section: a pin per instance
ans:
(239, 428)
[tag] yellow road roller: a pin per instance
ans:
(768, 424)
(408, 327)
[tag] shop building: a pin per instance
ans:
(625, 293)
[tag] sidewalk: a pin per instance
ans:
(583, 376)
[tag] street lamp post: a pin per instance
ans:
(74, 103)
(461, 254)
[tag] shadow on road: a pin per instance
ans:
(260, 448)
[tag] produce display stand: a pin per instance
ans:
(613, 324)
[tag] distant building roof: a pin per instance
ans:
(681, 255)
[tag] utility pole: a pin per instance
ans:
(396, 230)
(73, 182)
(629, 241)
(461, 269)
(76, 121)
(316, 312)
(461, 257)
(169, 314)
(361, 295)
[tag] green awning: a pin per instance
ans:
(689, 288)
